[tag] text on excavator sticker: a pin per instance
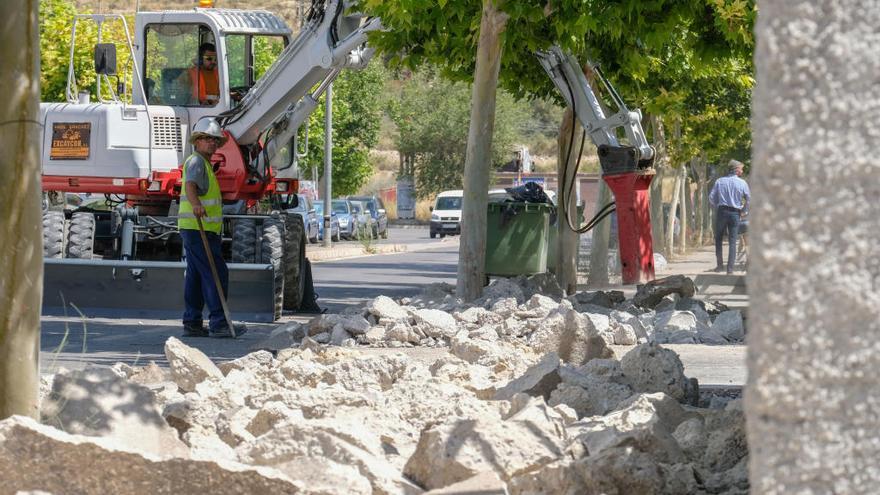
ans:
(70, 140)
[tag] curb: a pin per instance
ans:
(323, 254)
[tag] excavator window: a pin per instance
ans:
(249, 57)
(181, 66)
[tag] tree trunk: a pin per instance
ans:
(660, 163)
(599, 245)
(472, 249)
(670, 222)
(21, 238)
(698, 202)
(567, 239)
(685, 209)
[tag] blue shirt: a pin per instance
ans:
(730, 191)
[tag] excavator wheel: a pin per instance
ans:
(81, 236)
(294, 261)
(53, 234)
(244, 241)
(272, 253)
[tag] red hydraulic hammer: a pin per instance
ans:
(629, 181)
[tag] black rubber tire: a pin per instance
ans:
(244, 241)
(272, 253)
(374, 232)
(81, 236)
(294, 262)
(433, 235)
(53, 234)
(442, 235)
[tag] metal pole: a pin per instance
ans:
(328, 163)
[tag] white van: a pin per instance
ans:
(446, 213)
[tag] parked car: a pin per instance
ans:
(377, 211)
(334, 222)
(348, 222)
(306, 210)
(365, 227)
(446, 214)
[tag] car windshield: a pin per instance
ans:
(340, 207)
(448, 203)
(355, 208)
(302, 206)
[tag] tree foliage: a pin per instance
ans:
(357, 114)
(432, 117)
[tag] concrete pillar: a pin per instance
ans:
(813, 397)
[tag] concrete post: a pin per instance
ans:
(328, 163)
(813, 400)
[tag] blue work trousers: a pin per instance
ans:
(199, 287)
(726, 222)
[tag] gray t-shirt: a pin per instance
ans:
(196, 172)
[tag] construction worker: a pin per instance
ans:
(201, 197)
(203, 76)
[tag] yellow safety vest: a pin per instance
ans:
(211, 200)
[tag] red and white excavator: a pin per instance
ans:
(123, 256)
(126, 150)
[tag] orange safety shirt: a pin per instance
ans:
(204, 83)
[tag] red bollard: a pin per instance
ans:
(635, 242)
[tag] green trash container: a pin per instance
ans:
(554, 234)
(516, 238)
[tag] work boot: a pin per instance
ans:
(223, 332)
(194, 329)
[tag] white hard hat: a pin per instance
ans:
(207, 127)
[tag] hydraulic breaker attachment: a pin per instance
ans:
(632, 199)
(146, 289)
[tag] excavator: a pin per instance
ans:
(118, 252)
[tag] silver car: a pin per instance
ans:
(364, 220)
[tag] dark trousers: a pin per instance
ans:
(726, 222)
(198, 286)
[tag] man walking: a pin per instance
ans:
(201, 197)
(730, 198)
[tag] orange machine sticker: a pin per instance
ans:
(70, 140)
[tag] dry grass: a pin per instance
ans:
(391, 209)
(385, 159)
(423, 210)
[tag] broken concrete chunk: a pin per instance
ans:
(649, 368)
(649, 295)
(189, 366)
(539, 380)
(283, 337)
(97, 402)
(459, 449)
(485, 483)
(435, 323)
(39, 457)
(729, 325)
(385, 307)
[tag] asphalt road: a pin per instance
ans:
(74, 342)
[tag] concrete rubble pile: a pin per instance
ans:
(526, 310)
(488, 416)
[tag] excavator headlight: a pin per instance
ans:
(282, 186)
(155, 186)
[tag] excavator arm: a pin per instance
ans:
(614, 156)
(282, 100)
